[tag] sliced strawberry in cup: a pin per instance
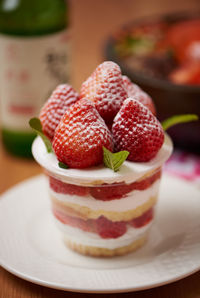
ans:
(66, 188)
(142, 220)
(120, 190)
(108, 229)
(85, 225)
(102, 226)
(109, 192)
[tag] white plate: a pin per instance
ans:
(32, 249)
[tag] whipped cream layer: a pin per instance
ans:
(92, 239)
(129, 171)
(132, 200)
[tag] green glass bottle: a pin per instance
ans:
(34, 59)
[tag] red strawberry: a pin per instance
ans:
(110, 192)
(65, 188)
(121, 190)
(130, 87)
(142, 220)
(108, 229)
(146, 183)
(106, 89)
(62, 97)
(80, 135)
(85, 225)
(136, 92)
(137, 130)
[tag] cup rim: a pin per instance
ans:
(129, 171)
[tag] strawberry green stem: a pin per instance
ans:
(36, 125)
(178, 119)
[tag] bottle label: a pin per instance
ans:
(30, 68)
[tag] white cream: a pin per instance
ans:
(129, 171)
(92, 239)
(133, 200)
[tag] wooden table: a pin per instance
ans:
(87, 53)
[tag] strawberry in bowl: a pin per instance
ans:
(102, 151)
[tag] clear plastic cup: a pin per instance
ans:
(100, 212)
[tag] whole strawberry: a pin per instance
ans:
(106, 89)
(52, 111)
(138, 131)
(80, 135)
(135, 91)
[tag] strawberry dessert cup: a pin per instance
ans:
(102, 150)
(100, 212)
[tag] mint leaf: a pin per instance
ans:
(62, 165)
(36, 125)
(114, 160)
(178, 119)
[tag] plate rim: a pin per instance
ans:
(98, 291)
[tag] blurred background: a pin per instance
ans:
(44, 43)
(93, 21)
(47, 42)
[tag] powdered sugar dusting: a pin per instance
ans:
(130, 87)
(129, 171)
(106, 89)
(62, 97)
(136, 92)
(80, 136)
(137, 130)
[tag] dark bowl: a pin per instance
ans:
(170, 99)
